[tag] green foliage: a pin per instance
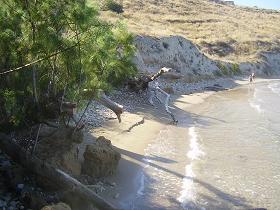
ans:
(10, 100)
(12, 110)
(223, 69)
(235, 69)
(113, 6)
(92, 54)
(218, 73)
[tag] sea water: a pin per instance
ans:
(228, 157)
(241, 141)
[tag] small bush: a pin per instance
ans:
(113, 6)
(165, 45)
(223, 69)
(235, 69)
(217, 73)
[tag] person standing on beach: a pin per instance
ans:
(252, 77)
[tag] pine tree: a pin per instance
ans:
(80, 51)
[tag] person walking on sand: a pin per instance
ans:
(250, 78)
(253, 76)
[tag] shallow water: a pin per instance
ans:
(227, 158)
(161, 179)
(240, 134)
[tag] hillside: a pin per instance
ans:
(226, 32)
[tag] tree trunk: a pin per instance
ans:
(34, 86)
(57, 177)
(115, 107)
(3, 113)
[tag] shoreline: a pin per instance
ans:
(131, 137)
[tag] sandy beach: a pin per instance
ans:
(140, 128)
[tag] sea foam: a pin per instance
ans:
(255, 106)
(187, 195)
(253, 102)
(275, 88)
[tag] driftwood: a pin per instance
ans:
(68, 108)
(142, 83)
(136, 84)
(105, 100)
(115, 107)
(166, 102)
(45, 171)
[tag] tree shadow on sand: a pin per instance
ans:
(224, 200)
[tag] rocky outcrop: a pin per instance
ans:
(229, 3)
(60, 148)
(175, 52)
(184, 57)
(269, 65)
(100, 159)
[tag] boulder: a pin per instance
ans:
(60, 149)
(100, 159)
(37, 200)
(58, 206)
(169, 90)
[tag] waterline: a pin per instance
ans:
(187, 195)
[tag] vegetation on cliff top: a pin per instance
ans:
(225, 32)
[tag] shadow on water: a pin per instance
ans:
(141, 158)
(226, 198)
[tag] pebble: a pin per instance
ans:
(10, 200)
(97, 114)
(2, 203)
(20, 186)
(5, 163)
(117, 195)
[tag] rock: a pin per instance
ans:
(2, 204)
(13, 176)
(169, 90)
(100, 159)
(19, 188)
(58, 206)
(61, 149)
(13, 204)
(117, 196)
(111, 184)
(37, 200)
(5, 163)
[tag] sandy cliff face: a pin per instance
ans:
(175, 52)
(273, 62)
(268, 66)
(183, 56)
